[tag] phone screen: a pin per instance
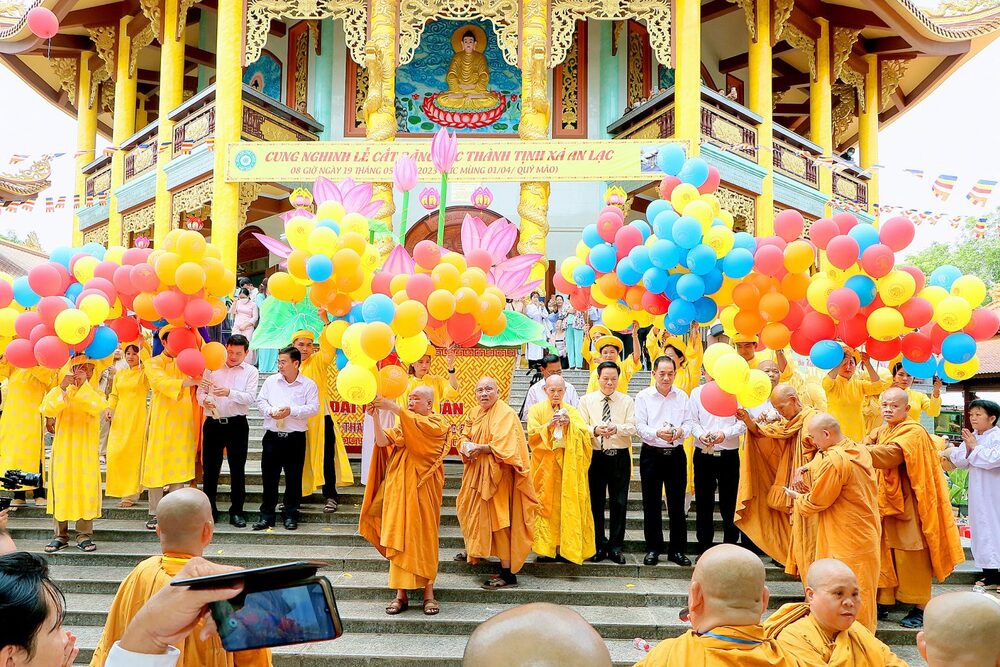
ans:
(291, 615)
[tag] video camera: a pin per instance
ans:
(17, 480)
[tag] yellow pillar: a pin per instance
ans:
(868, 128)
(761, 102)
(821, 106)
(124, 126)
(86, 136)
(228, 125)
(687, 81)
(534, 126)
(171, 96)
(380, 108)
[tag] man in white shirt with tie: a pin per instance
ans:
(550, 365)
(287, 400)
(610, 417)
(662, 419)
(226, 395)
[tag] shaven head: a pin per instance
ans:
(786, 401)
(555, 388)
(421, 400)
(184, 522)
(523, 636)
(772, 370)
(487, 393)
(895, 404)
(961, 630)
(727, 588)
(824, 430)
(833, 594)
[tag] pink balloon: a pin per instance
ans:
(427, 254)
(49, 307)
(822, 232)
(122, 280)
(717, 401)
(170, 305)
(916, 346)
(134, 256)
(6, 294)
(42, 23)
(52, 352)
(198, 313)
(845, 221)
(44, 279)
(789, 224)
(842, 251)
(843, 304)
(419, 287)
(21, 353)
(479, 257)
(612, 211)
(668, 184)
(39, 332)
(769, 260)
(104, 286)
(711, 183)
(917, 312)
(106, 270)
(627, 238)
(608, 225)
(144, 278)
(775, 241)
(984, 324)
(25, 322)
(877, 260)
(918, 276)
(897, 233)
(191, 362)
(380, 283)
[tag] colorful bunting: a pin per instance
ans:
(943, 186)
(980, 192)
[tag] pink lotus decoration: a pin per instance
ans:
(429, 198)
(444, 150)
(354, 197)
(404, 173)
(482, 198)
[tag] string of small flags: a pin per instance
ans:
(185, 146)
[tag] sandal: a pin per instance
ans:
(151, 524)
(55, 545)
(86, 546)
(331, 506)
(397, 606)
(461, 557)
(125, 503)
(498, 582)
(431, 607)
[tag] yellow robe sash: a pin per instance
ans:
(799, 634)
(724, 646)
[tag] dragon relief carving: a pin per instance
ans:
(139, 42)
(152, 11)
(782, 12)
(845, 109)
(844, 40)
(803, 43)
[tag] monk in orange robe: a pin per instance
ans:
(919, 536)
(823, 631)
(773, 452)
(496, 504)
(726, 600)
(960, 630)
(401, 512)
(843, 494)
(185, 529)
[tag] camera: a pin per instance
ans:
(16, 480)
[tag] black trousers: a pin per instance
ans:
(663, 468)
(329, 460)
(282, 451)
(230, 435)
(713, 473)
(991, 576)
(609, 477)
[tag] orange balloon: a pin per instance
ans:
(215, 355)
(775, 336)
(441, 304)
(611, 286)
(773, 306)
(321, 293)
(794, 286)
(495, 326)
(748, 322)
(633, 297)
(392, 381)
(297, 264)
(466, 301)
(339, 305)
(746, 296)
(490, 307)
(219, 311)
(764, 284)
(143, 306)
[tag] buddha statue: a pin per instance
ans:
(468, 79)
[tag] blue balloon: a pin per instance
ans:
(745, 241)
(676, 328)
(920, 369)
(73, 291)
(681, 313)
(701, 259)
(62, 255)
(718, 223)
(705, 309)
(23, 293)
(945, 378)
(664, 254)
(378, 308)
(656, 207)
(671, 159)
(958, 348)
(329, 224)
(690, 287)
(104, 344)
(686, 232)
(663, 223)
(642, 227)
(319, 268)
(865, 234)
(584, 276)
(864, 287)
(655, 280)
(738, 263)
(944, 276)
(670, 291)
(627, 273)
(94, 248)
(826, 354)
(694, 171)
(640, 258)
(713, 281)
(341, 359)
(354, 315)
(159, 323)
(603, 257)
(591, 236)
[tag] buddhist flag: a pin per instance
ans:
(28, 206)
(61, 202)
(50, 205)
(917, 173)
(943, 186)
(18, 157)
(980, 192)
(76, 201)
(165, 145)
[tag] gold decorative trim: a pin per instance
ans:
(782, 12)
(656, 16)
(502, 14)
(804, 43)
(379, 105)
(743, 207)
(248, 195)
(103, 38)
(353, 13)
(151, 9)
(191, 199)
(66, 70)
(890, 74)
(98, 233)
(844, 110)
(107, 97)
(749, 16)
(182, 12)
(856, 80)
(844, 40)
(139, 219)
(139, 42)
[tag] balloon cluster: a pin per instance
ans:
(732, 382)
(665, 269)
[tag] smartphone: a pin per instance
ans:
(256, 578)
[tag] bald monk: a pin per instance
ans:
(524, 636)
(824, 630)
(726, 599)
(496, 504)
(919, 536)
(185, 529)
(961, 630)
(843, 495)
(845, 393)
(773, 452)
(401, 512)
(560, 461)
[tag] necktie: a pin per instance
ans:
(606, 415)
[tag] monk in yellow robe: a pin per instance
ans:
(75, 468)
(871, 410)
(401, 512)
(610, 349)
(845, 393)
(560, 463)
(185, 529)
(843, 494)
(21, 446)
(960, 630)
(919, 536)
(773, 452)
(824, 632)
(726, 599)
(496, 504)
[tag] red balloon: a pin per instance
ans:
(21, 353)
(937, 335)
(562, 285)
(818, 326)
(580, 299)
(918, 276)
(171, 304)
(104, 286)
(627, 238)
(801, 342)
(883, 350)
(472, 340)
(845, 221)
(843, 304)
(822, 232)
(607, 226)
(789, 224)
(769, 260)
(135, 256)
(717, 401)
(853, 332)
(144, 278)
(916, 346)
(45, 280)
(190, 361)
(180, 339)
(419, 287)
(655, 304)
(480, 258)
(106, 270)
(198, 313)
(461, 327)
(6, 294)
(711, 183)
(667, 186)
(127, 328)
(42, 23)
(49, 307)
(39, 332)
(122, 280)
(380, 283)
(793, 320)
(984, 324)
(51, 352)
(877, 260)
(873, 306)
(897, 233)
(842, 251)
(25, 322)
(917, 312)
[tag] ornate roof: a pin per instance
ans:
(956, 20)
(26, 182)
(17, 259)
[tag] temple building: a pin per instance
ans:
(785, 97)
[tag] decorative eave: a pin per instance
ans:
(947, 28)
(28, 182)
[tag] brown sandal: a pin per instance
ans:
(498, 582)
(397, 606)
(431, 607)
(126, 503)
(461, 557)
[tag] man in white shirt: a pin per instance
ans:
(716, 466)
(610, 417)
(226, 395)
(550, 365)
(662, 420)
(287, 400)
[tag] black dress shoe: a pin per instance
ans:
(652, 558)
(679, 559)
(883, 612)
(544, 559)
(237, 521)
(599, 556)
(291, 524)
(262, 525)
(617, 557)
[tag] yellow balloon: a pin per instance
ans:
(72, 326)
(466, 301)
(475, 278)
(819, 291)
(732, 373)
(353, 241)
(952, 313)
(357, 384)
(411, 348)
(618, 317)
(334, 332)
(398, 283)
(700, 211)
(568, 266)
(714, 202)
(727, 317)
(330, 210)
(456, 260)
(83, 269)
(727, 218)
(400, 297)
(354, 223)
(191, 246)
(582, 251)
(190, 277)
(446, 277)
(719, 239)
(756, 391)
(799, 256)
(213, 251)
(714, 353)
(599, 296)
(170, 240)
(114, 254)
(116, 310)
(885, 324)
(215, 277)
(350, 343)
(934, 294)
(7, 317)
(322, 241)
(896, 288)
(441, 304)
(683, 194)
(96, 308)
(284, 288)
(962, 371)
(297, 231)
(166, 267)
(410, 318)
(970, 288)
(378, 341)
(370, 260)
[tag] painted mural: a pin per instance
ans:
(264, 75)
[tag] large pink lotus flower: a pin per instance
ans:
(444, 150)
(498, 239)
(354, 197)
(404, 173)
(273, 246)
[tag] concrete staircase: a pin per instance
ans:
(621, 601)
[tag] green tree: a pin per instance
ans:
(976, 256)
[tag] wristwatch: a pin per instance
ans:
(451, 370)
